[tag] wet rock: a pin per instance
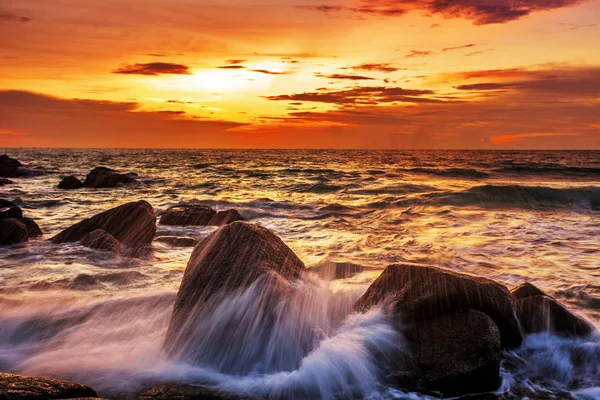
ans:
(175, 391)
(12, 231)
(17, 387)
(539, 312)
(4, 181)
(70, 182)
(13, 212)
(11, 168)
(331, 270)
(188, 215)
(423, 292)
(132, 224)
(33, 228)
(455, 354)
(226, 217)
(232, 257)
(100, 240)
(102, 177)
(6, 203)
(177, 241)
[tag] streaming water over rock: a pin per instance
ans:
(101, 319)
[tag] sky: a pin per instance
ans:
(397, 74)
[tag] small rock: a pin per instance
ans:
(332, 270)
(188, 215)
(33, 228)
(11, 168)
(525, 290)
(174, 391)
(177, 241)
(6, 203)
(70, 182)
(17, 387)
(102, 177)
(226, 217)
(100, 240)
(12, 231)
(13, 212)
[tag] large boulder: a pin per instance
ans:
(33, 230)
(175, 391)
(70, 182)
(196, 214)
(423, 292)
(230, 259)
(539, 312)
(11, 168)
(132, 224)
(455, 354)
(17, 387)
(100, 240)
(102, 177)
(12, 231)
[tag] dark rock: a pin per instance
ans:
(232, 257)
(33, 228)
(70, 182)
(525, 290)
(11, 168)
(13, 212)
(177, 241)
(331, 270)
(423, 292)
(455, 354)
(17, 387)
(102, 177)
(132, 224)
(173, 391)
(188, 215)
(4, 181)
(543, 313)
(12, 231)
(226, 217)
(6, 203)
(100, 240)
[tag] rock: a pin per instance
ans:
(17, 387)
(226, 217)
(102, 177)
(232, 257)
(12, 231)
(173, 391)
(33, 228)
(423, 292)
(6, 203)
(177, 241)
(100, 240)
(11, 168)
(4, 181)
(525, 290)
(70, 182)
(539, 312)
(188, 215)
(455, 354)
(331, 270)
(132, 224)
(13, 212)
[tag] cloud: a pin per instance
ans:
(418, 53)
(235, 61)
(13, 17)
(480, 12)
(345, 77)
(465, 46)
(153, 68)
(360, 95)
(265, 71)
(375, 67)
(232, 67)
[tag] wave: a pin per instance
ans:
(317, 188)
(549, 170)
(468, 173)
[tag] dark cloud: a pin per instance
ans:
(361, 95)
(480, 12)
(232, 67)
(153, 68)
(418, 53)
(375, 67)
(464, 46)
(345, 77)
(235, 61)
(13, 17)
(265, 71)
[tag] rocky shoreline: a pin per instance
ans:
(456, 325)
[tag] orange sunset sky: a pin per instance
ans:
(474, 74)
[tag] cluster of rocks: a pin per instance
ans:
(14, 227)
(99, 177)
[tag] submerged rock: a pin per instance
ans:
(132, 224)
(102, 177)
(174, 391)
(231, 258)
(17, 387)
(100, 240)
(539, 312)
(11, 168)
(177, 241)
(194, 214)
(422, 292)
(70, 182)
(331, 270)
(4, 181)
(12, 231)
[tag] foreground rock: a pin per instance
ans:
(175, 391)
(177, 241)
(6, 204)
(102, 177)
(455, 325)
(12, 231)
(192, 214)
(11, 168)
(232, 257)
(539, 312)
(4, 181)
(100, 240)
(132, 224)
(17, 387)
(70, 182)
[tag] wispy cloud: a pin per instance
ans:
(153, 68)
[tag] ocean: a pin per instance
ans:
(512, 216)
